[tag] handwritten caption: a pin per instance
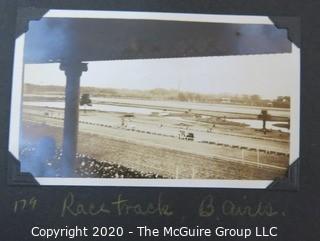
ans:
(70, 205)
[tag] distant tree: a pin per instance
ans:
(85, 100)
(245, 99)
(255, 98)
(264, 116)
(182, 97)
(282, 101)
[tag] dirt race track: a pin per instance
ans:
(177, 161)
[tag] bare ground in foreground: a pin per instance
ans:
(166, 162)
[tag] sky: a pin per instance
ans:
(268, 75)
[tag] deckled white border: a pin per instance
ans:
(17, 84)
(295, 108)
(248, 184)
(16, 97)
(213, 18)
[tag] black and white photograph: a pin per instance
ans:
(155, 99)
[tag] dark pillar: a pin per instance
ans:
(73, 71)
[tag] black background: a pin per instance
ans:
(299, 218)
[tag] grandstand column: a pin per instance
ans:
(73, 71)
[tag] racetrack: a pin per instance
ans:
(146, 147)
